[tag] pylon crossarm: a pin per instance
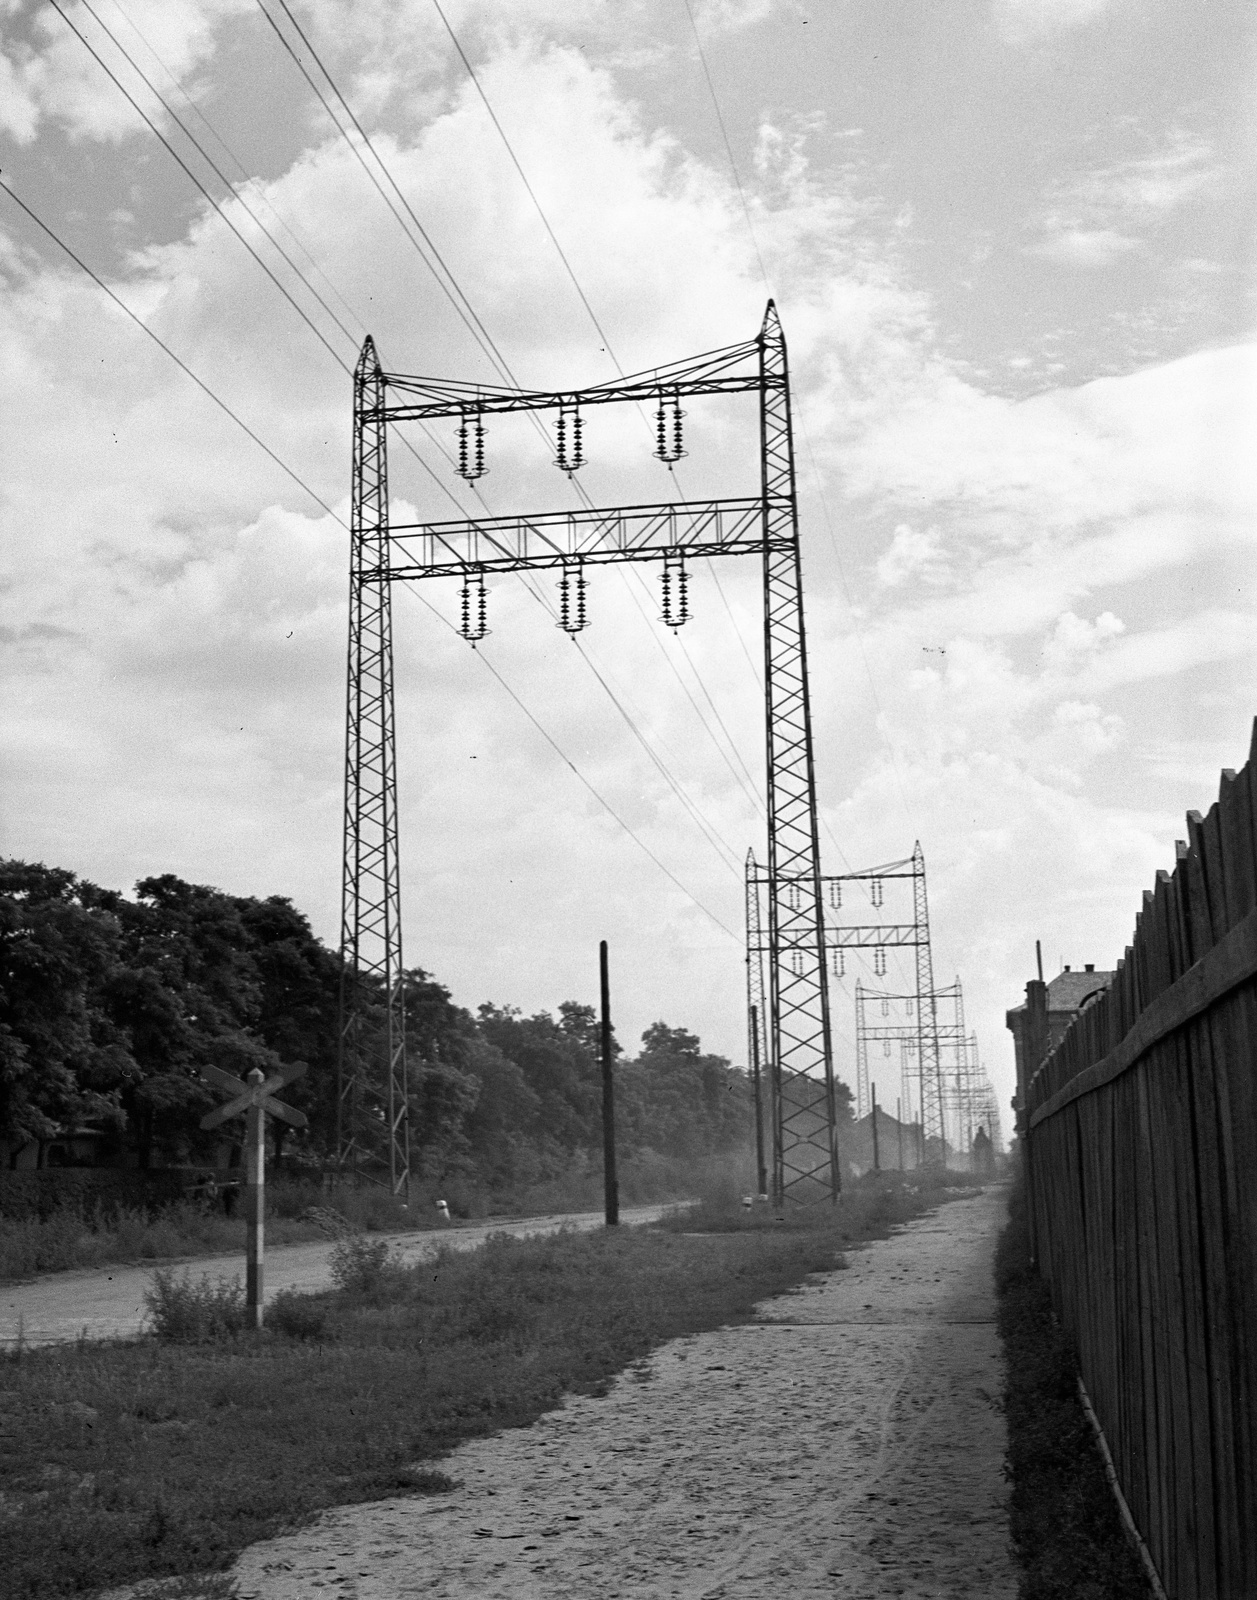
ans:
(705, 374)
(595, 536)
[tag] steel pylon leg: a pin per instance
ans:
(372, 1104)
(800, 1047)
(929, 1052)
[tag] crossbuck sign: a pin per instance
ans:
(254, 1096)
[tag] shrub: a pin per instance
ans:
(298, 1316)
(362, 1268)
(183, 1312)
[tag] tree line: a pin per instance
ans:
(110, 1006)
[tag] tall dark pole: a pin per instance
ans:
(610, 1185)
(761, 1170)
(877, 1165)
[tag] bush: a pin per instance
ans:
(183, 1312)
(298, 1316)
(362, 1268)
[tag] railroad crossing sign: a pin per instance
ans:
(255, 1091)
(254, 1096)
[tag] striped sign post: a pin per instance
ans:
(254, 1096)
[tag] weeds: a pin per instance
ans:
(183, 1312)
(1065, 1525)
(198, 1449)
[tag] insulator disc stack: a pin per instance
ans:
(835, 896)
(668, 428)
(572, 614)
(471, 447)
(876, 891)
(473, 619)
(569, 438)
(838, 964)
(879, 961)
(676, 593)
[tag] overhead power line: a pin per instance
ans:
(319, 501)
(178, 361)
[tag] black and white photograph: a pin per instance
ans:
(628, 842)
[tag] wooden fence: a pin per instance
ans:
(1142, 1155)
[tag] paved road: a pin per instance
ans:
(108, 1302)
(848, 1443)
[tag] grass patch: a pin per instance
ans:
(1066, 1528)
(152, 1459)
(300, 1212)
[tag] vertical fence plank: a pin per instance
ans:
(1146, 1208)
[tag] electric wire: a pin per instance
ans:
(448, 284)
(763, 271)
(575, 770)
(610, 352)
(301, 483)
(246, 176)
(340, 361)
(493, 351)
(178, 361)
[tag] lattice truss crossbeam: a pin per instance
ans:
(794, 1002)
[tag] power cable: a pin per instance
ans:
(301, 483)
(610, 351)
(493, 350)
(575, 770)
(450, 288)
(182, 365)
(226, 219)
(763, 272)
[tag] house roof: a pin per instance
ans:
(1069, 989)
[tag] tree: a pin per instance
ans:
(64, 1060)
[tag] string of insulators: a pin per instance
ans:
(796, 962)
(676, 591)
(570, 431)
(792, 896)
(473, 623)
(885, 1047)
(835, 896)
(572, 617)
(885, 1008)
(668, 428)
(879, 961)
(877, 891)
(838, 964)
(908, 1007)
(471, 448)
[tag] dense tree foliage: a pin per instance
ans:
(110, 1006)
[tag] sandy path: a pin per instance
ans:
(108, 1302)
(847, 1443)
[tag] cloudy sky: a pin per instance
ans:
(1012, 244)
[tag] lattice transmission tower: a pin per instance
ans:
(943, 1069)
(373, 1126)
(851, 927)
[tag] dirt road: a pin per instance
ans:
(848, 1443)
(108, 1302)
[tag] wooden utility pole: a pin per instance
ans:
(761, 1170)
(877, 1164)
(611, 1187)
(254, 1096)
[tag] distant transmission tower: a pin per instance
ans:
(791, 1120)
(882, 1017)
(373, 1126)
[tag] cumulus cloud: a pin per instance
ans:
(175, 606)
